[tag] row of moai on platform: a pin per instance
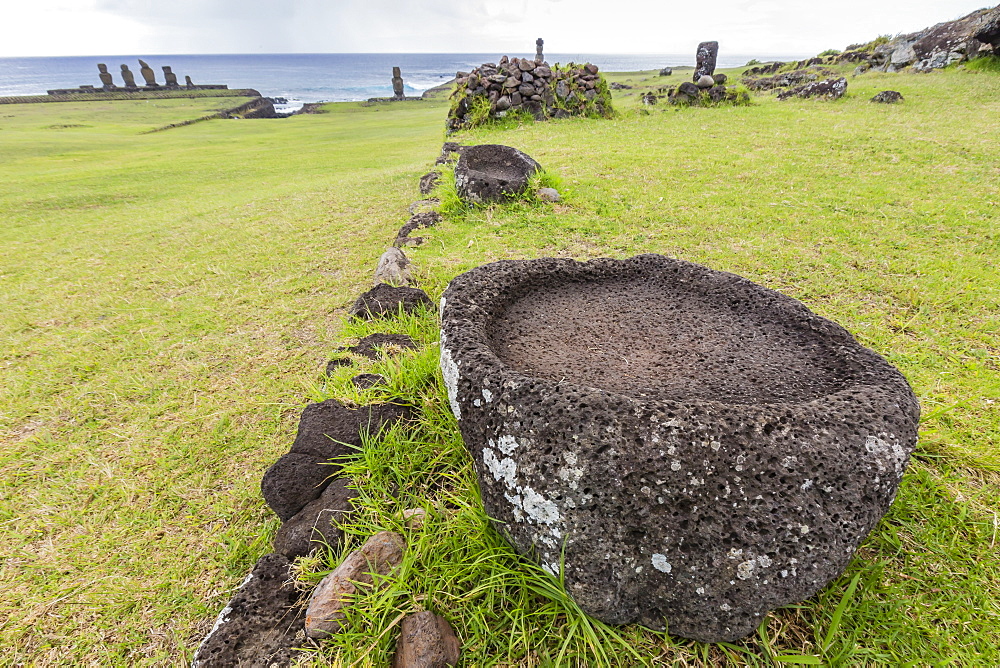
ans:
(147, 73)
(397, 76)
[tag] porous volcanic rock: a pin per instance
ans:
(327, 430)
(426, 219)
(700, 449)
(888, 97)
(832, 89)
(374, 346)
(707, 54)
(386, 301)
(493, 173)
(366, 381)
(318, 522)
(940, 45)
(426, 640)
(258, 626)
(428, 182)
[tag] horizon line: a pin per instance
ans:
(376, 53)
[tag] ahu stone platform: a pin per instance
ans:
(695, 449)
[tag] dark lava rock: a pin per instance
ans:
(688, 88)
(705, 57)
(785, 79)
(317, 523)
(333, 365)
(493, 173)
(374, 346)
(428, 181)
(700, 449)
(258, 626)
(888, 97)
(386, 301)
(327, 430)
(764, 69)
(832, 89)
(424, 206)
(366, 381)
(426, 640)
(420, 220)
(450, 151)
(940, 45)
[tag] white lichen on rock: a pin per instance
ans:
(745, 570)
(449, 370)
(528, 504)
(887, 450)
(506, 444)
(661, 564)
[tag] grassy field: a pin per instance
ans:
(168, 301)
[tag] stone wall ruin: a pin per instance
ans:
(491, 91)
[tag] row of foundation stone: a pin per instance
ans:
(269, 621)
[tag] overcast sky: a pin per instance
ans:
(753, 27)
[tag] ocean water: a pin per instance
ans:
(328, 77)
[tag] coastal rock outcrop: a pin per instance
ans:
(688, 447)
(942, 44)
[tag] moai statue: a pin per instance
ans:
(106, 79)
(128, 77)
(706, 56)
(147, 73)
(397, 83)
(169, 78)
(538, 50)
(188, 82)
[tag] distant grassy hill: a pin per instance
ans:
(168, 302)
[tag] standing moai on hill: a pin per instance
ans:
(188, 82)
(106, 79)
(147, 73)
(538, 50)
(169, 78)
(397, 83)
(706, 56)
(128, 77)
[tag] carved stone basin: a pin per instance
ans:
(696, 448)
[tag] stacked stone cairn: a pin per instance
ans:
(270, 621)
(492, 91)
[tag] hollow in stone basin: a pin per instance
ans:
(658, 339)
(695, 448)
